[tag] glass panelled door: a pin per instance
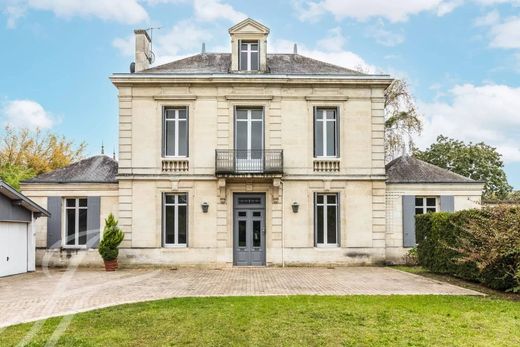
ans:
(249, 140)
(249, 229)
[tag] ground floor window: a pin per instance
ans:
(326, 219)
(425, 204)
(76, 211)
(175, 216)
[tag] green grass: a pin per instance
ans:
(290, 321)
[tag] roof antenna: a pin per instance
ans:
(102, 148)
(151, 58)
(114, 153)
(295, 49)
(203, 48)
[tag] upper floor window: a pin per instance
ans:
(76, 210)
(325, 132)
(425, 204)
(249, 55)
(175, 137)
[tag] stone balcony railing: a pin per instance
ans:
(175, 165)
(326, 165)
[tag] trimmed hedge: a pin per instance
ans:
(476, 245)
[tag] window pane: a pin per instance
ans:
(331, 114)
(256, 114)
(170, 138)
(241, 134)
(170, 199)
(430, 202)
(241, 114)
(318, 138)
(243, 47)
(183, 138)
(182, 113)
(257, 214)
(256, 140)
(71, 227)
(331, 138)
(319, 113)
(331, 224)
(331, 199)
(83, 202)
(71, 202)
(319, 198)
(169, 232)
(82, 227)
(254, 46)
(418, 201)
(243, 61)
(254, 61)
(242, 214)
(418, 211)
(430, 209)
(182, 198)
(241, 233)
(257, 233)
(183, 224)
(169, 113)
(319, 224)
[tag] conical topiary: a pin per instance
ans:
(112, 238)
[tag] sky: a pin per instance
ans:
(461, 58)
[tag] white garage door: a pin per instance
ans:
(13, 248)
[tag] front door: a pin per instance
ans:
(249, 140)
(249, 229)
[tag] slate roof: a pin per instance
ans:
(97, 169)
(278, 64)
(407, 169)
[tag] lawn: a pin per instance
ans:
(291, 321)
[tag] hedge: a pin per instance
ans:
(476, 245)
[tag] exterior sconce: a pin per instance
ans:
(295, 207)
(205, 207)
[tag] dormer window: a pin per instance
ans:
(249, 56)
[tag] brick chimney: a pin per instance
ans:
(143, 53)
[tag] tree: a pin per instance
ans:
(477, 161)
(112, 238)
(25, 154)
(402, 119)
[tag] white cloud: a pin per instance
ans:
(498, 2)
(506, 34)
(385, 37)
(491, 18)
(486, 113)
(125, 45)
(122, 11)
(26, 114)
(211, 10)
(394, 10)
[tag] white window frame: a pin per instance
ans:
(424, 207)
(77, 208)
(177, 121)
(175, 206)
(324, 121)
(249, 121)
(249, 52)
(325, 205)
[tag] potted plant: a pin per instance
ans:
(108, 247)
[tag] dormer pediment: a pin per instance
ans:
(249, 26)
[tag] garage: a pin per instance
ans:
(17, 215)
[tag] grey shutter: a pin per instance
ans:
(314, 109)
(337, 133)
(447, 203)
(315, 208)
(54, 222)
(93, 222)
(409, 220)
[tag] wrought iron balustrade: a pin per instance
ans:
(261, 161)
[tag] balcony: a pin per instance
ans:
(239, 162)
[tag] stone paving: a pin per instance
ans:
(43, 294)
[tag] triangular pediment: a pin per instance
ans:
(249, 26)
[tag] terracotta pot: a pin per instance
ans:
(111, 265)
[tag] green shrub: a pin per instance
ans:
(477, 245)
(112, 238)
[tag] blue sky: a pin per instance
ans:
(460, 57)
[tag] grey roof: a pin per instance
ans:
(13, 194)
(97, 169)
(407, 169)
(278, 64)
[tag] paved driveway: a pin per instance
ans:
(42, 294)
